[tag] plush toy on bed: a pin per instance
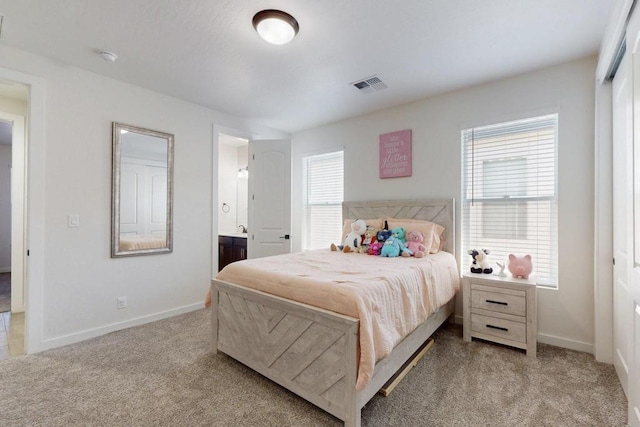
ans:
(353, 239)
(399, 232)
(414, 243)
(368, 239)
(480, 262)
(393, 246)
(381, 237)
(375, 248)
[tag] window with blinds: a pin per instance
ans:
(323, 182)
(510, 196)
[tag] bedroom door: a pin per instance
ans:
(269, 198)
(632, 218)
(622, 147)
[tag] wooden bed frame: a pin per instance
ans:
(311, 351)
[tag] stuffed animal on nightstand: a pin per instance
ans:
(480, 262)
(520, 267)
(353, 239)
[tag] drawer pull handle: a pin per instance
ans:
(496, 302)
(498, 327)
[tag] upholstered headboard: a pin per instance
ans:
(440, 211)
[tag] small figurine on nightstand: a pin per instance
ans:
(480, 262)
(502, 267)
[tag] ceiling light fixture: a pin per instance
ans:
(275, 26)
(108, 56)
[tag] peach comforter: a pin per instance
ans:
(390, 296)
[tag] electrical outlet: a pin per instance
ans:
(122, 302)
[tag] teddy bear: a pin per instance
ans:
(354, 239)
(414, 243)
(368, 239)
(480, 263)
(399, 232)
(393, 246)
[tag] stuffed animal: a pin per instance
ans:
(480, 262)
(353, 239)
(520, 266)
(399, 232)
(375, 248)
(391, 247)
(383, 235)
(368, 239)
(414, 243)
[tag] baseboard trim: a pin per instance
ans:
(5, 269)
(459, 320)
(102, 330)
(565, 343)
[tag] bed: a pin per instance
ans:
(317, 353)
(136, 242)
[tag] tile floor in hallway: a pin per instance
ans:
(11, 334)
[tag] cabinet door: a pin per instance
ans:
(225, 252)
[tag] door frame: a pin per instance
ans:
(34, 206)
(217, 130)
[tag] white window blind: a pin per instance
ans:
(510, 197)
(323, 182)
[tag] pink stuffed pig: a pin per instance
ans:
(520, 266)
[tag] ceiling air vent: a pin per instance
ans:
(369, 85)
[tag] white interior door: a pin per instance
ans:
(632, 221)
(269, 198)
(622, 146)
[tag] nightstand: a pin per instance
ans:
(500, 309)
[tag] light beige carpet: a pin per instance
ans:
(162, 374)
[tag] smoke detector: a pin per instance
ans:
(369, 84)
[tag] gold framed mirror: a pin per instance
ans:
(141, 192)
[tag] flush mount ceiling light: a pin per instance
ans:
(108, 56)
(275, 26)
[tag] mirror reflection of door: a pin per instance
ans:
(142, 191)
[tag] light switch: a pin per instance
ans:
(74, 220)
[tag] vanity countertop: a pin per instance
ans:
(242, 235)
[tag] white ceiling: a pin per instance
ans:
(206, 51)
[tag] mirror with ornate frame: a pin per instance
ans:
(142, 192)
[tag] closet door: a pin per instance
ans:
(633, 224)
(622, 146)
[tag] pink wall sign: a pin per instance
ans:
(395, 154)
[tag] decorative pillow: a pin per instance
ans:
(431, 231)
(375, 223)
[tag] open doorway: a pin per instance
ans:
(5, 216)
(13, 108)
(233, 198)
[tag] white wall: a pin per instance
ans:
(5, 209)
(80, 282)
(566, 314)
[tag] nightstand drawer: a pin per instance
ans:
(502, 328)
(499, 301)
